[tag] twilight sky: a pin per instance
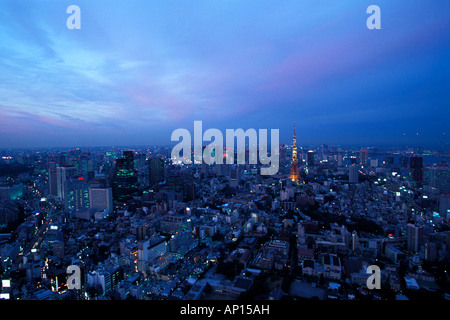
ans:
(137, 70)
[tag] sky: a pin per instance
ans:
(138, 70)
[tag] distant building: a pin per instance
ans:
(444, 206)
(149, 250)
(393, 253)
(76, 193)
(273, 254)
(240, 255)
(125, 179)
(363, 157)
(156, 175)
(353, 174)
(107, 279)
(310, 158)
(58, 248)
(439, 177)
(415, 236)
(52, 179)
(100, 198)
(294, 174)
(355, 241)
(416, 170)
(63, 174)
(173, 224)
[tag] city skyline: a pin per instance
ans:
(136, 71)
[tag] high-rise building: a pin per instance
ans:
(62, 159)
(156, 166)
(143, 170)
(52, 179)
(339, 160)
(310, 158)
(430, 251)
(416, 167)
(125, 184)
(363, 157)
(353, 174)
(62, 175)
(439, 177)
(415, 235)
(234, 174)
(58, 248)
(294, 174)
(100, 198)
(444, 205)
(355, 240)
(76, 195)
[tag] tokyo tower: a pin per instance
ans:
(294, 175)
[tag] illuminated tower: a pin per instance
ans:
(294, 175)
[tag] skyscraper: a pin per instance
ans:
(63, 174)
(415, 235)
(52, 178)
(439, 177)
(363, 157)
(76, 195)
(355, 240)
(444, 205)
(310, 158)
(294, 175)
(156, 171)
(353, 174)
(125, 179)
(416, 167)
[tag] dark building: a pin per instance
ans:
(416, 167)
(415, 236)
(52, 178)
(363, 157)
(310, 158)
(125, 180)
(156, 175)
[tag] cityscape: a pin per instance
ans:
(334, 187)
(142, 228)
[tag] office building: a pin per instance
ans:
(52, 178)
(63, 174)
(310, 158)
(363, 157)
(156, 168)
(416, 170)
(76, 193)
(353, 174)
(439, 177)
(415, 236)
(100, 198)
(444, 205)
(125, 184)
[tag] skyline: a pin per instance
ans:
(136, 71)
